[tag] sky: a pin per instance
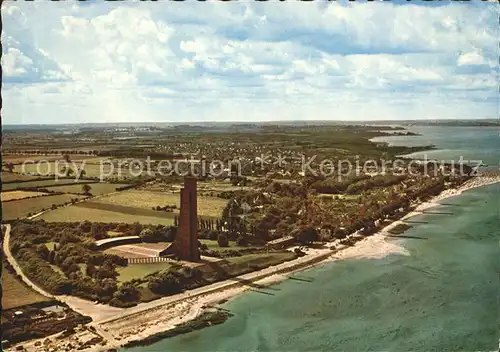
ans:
(166, 61)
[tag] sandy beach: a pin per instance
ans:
(377, 247)
(146, 319)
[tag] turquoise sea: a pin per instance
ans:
(443, 297)
(472, 143)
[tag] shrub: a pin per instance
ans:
(242, 241)
(222, 240)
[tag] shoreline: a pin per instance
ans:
(147, 319)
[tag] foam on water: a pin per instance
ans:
(375, 247)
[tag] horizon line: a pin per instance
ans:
(247, 122)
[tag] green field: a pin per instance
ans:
(21, 208)
(15, 293)
(80, 213)
(207, 206)
(91, 169)
(97, 188)
(43, 183)
(126, 209)
(137, 271)
(18, 159)
(12, 177)
(17, 195)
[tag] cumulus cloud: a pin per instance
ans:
(22, 61)
(139, 61)
(471, 58)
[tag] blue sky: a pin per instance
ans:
(70, 62)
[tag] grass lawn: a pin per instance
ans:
(14, 195)
(16, 294)
(258, 261)
(156, 245)
(50, 245)
(263, 259)
(80, 213)
(214, 245)
(57, 270)
(96, 188)
(21, 208)
(137, 271)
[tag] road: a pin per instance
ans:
(104, 313)
(84, 307)
(17, 268)
(242, 280)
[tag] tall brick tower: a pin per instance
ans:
(185, 246)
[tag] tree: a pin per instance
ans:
(51, 257)
(67, 237)
(127, 293)
(43, 251)
(147, 235)
(70, 265)
(108, 287)
(170, 233)
(86, 189)
(90, 270)
(85, 226)
(107, 271)
(136, 228)
(57, 258)
(165, 283)
(306, 235)
(242, 241)
(212, 235)
(98, 233)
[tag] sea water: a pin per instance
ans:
(472, 143)
(444, 296)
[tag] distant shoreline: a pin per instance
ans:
(479, 122)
